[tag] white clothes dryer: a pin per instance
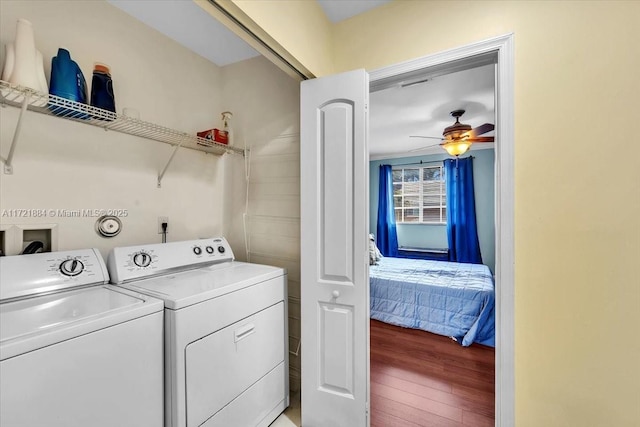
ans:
(226, 347)
(75, 352)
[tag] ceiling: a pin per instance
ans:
(339, 10)
(424, 109)
(191, 26)
(396, 112)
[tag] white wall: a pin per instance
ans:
(64, 165)
(265, 103)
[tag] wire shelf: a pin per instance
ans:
(82, 113)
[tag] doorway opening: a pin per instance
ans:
(420, 72)
(417, 374)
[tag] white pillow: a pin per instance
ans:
(374, 252)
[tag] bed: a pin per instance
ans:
(446, 298)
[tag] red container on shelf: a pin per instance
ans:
(217, 135)
(221, 136)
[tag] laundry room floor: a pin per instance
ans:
(291, 416)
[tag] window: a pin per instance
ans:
(420, 195)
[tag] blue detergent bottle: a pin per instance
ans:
(102, 95)
(67, 81)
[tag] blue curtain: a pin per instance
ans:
(386, 235)
(461, 212)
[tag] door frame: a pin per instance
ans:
(503, 47)
(466, 57)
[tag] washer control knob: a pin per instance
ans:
(210, 249)
(197, 250)
(71, 267)
(142, 259)
(221, 249)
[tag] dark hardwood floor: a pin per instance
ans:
(423, 379)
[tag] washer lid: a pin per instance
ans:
(32, 323)
(191, 287)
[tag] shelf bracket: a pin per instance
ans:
(175, 150)
(8, 165)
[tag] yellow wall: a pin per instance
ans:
(300, 26)
(577, 183)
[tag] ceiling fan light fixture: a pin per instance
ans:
(456, 131)
(456, 148)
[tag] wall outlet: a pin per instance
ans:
(162, 219)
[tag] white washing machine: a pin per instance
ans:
(75, 352)
(226, 356)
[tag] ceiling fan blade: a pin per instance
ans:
(481, 139)
(427, 137)
(482, 129)
(424, 147)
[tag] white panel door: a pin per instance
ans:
(334, 259)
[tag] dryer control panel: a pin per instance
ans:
(25, 275)
(137, 262)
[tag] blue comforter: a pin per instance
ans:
(446, 298)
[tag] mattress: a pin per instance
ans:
(446, 298)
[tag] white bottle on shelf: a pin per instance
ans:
(226, 126)
(9, 61)
(24, 63)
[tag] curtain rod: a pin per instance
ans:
(422, 162)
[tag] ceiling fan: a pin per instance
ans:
(458, 137)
